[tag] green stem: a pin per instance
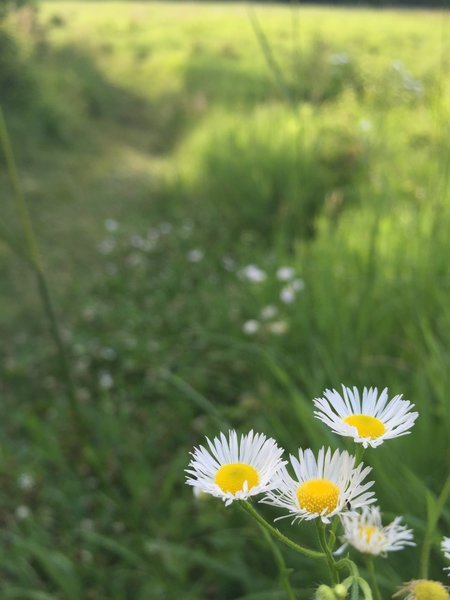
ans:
(359, 454)
(373, 578)
(283, 571)
(277, 534)
(433, 519)
(346, 563)
(327, 552)
(35, 261)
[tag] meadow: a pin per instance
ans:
(237, 208)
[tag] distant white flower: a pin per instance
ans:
(235, 468)
(339, 59)
(22, 512)
(285, 273)
(287, 294)
(195, 255)
(278, 327)
(298, 285)
(25, 481)
(111, 225)
(250, 327)
(445, 546)
(106, 246)
(397, 65)
(105, 380)
(228, 263)
(365, 125)
(108, 353)
(322, 488)
(369, 420)
(253, 273)
(269, 312)
(365, 532)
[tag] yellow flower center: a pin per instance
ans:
(366, 532)
(231, 478)
(367, 426)
(318, 495)
(429, 590)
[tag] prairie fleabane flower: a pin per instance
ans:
(368, 420)
(322, 488)
(445, 546)
(424, 589)
(234, 469)
(365, 532)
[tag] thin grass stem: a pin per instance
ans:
(33, 257)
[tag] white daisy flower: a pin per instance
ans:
(253, 274)
(285, 273)
(445, 546)
(365, 532)
(235, 469)
(423, 589)
(251, 327)
(322, 488)
(370, 420)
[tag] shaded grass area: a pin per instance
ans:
(160, 158)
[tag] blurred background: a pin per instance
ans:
(237, 206)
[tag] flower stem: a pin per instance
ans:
(359, 454)
(33, 257)
(277, 534)
(327, 552)
(283, 571)
(373, 578)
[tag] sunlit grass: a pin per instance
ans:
(159, 158)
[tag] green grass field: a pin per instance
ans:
(164, 147)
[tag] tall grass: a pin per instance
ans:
(178, 164)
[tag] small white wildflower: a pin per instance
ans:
(253, 273)
(236, 467)
(25, 481)
(108, 353)
(365, 532)
(340, 59)
(111, 225)
(22, 512)
(106, 246)
(369, 418)
(250, 327)
(445, 547)
(365, 125)
(105, 380)
(285, 273)
(228, 263)
(195, 255)
(323, 487)
(278, 327)
(269, 312)
(287, 294)
(298, 285)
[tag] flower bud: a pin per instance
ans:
(324, 592)
(340, 591)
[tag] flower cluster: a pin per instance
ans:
(313, 486)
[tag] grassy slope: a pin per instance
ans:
(167, 113)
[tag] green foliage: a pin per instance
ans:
(159, 158)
